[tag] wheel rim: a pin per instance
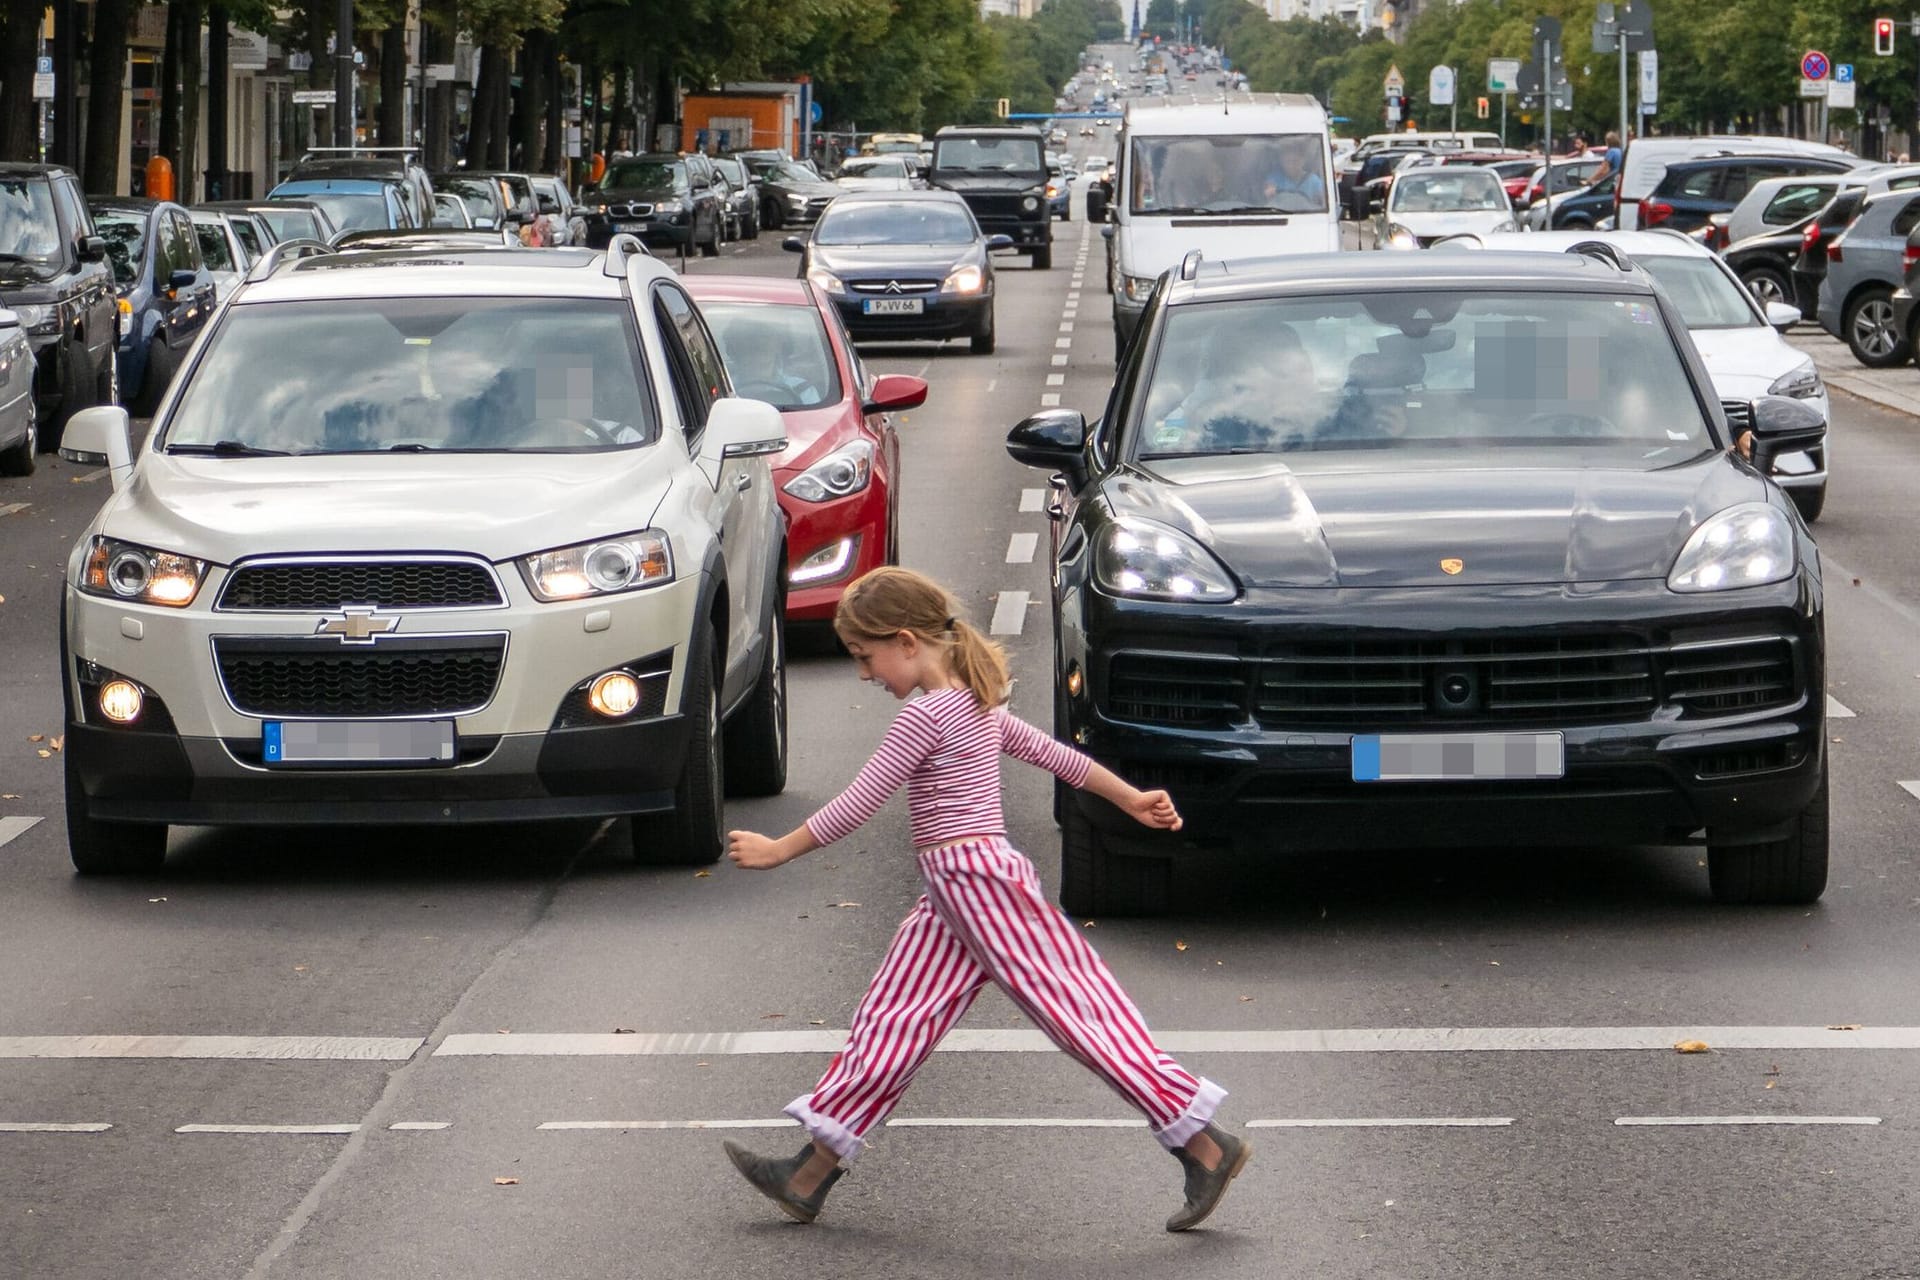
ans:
(1766, 289)
(713, 758)
(778, 664)
(1873, 328)
(31, 445)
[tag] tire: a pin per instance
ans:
(1578, 222)
(153, 384)
(1768, 284)
(72, 400)
(774, 220)
(19, 460)
(1793, 870)
(1066, 214)
(756, 739)
(1043, 257)
(753, 226)
(109, 848)
(711, 249)
(1109, 271)
(1095, 881)
(1868, 326)
(691, 835)
(1810, 501)
(981, 343)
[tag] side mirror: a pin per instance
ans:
(1055, 439)
(1096, 203)
(1781, 424)
(999, 244)
(896, 391)
(794, 244)
(98, 437)
(1782, 316)
(741, 428)
(93, 248)
(181, 280)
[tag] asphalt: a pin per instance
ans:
(491, 939)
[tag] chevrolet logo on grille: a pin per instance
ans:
(356, 626)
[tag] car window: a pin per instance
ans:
(1707, 299)
(1592, 379)
(213, 247)
(248, 235)
(186, 246)
(482, 198)
(1698, 184)
(1909, 214)
(652, 174)
(166, 256)
(703, 359)
(1447, 191)
(1794, 201)
(126, 237)
(29, 227)
(66, 194)
(485, 375)
(989, 155)
(891, 222)
(778, 354)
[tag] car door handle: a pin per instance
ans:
(744, 480)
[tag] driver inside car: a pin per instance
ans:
(760, 362)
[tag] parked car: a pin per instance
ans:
(248, 227)
(400, 165)
(287, 219)
(904, 265)
(226, 258)
(532, 569)
(523, 207)
(352, 204)
(19, 434)
(1774, 204)
(1645, 162)
(1764, 262)
(1865, 263)
(450, 212)
(1570, 173)
(55, 279)
(656, 197)
(743, 197)
(1690, 190)
(564, 221)
(839, 476)
(1810, 268)
(487, 201)
(166, 293)
(1588, 206)
(1342, 569)
(791, 194)
(1426, 205)
(428, 239)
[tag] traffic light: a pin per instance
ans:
(1883, 36)
(1482, 104)
(1003, 108)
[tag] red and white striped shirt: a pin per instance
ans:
(947, 750)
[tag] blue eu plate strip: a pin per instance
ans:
(270, 742)
(1366, 758)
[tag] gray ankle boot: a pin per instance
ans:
(773, 1179)
(1206, 1188)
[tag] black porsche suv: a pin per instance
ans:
(54, 276)
(1457, 551)
(1002, 175)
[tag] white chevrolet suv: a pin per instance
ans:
(433, 538)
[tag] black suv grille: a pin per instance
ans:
(1732, 675)
(423, 675)
(325, 585)
(1192, 691)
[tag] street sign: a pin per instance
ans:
(1503, 75)
(43, 66)
(1395, 83)
(1440, 87)
(1843, 73)
(816, 113)
(1812, 88)
(1814, 65)
(1840, 95)
(43, 85)
(1649, 81)
(313, 97)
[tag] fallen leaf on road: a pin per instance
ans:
(765, 1016)
(1844, 1026)
(1246, 999)
(156, 899)
(623, 1031)
(506, 1182)
(9, 796)
(1770, 1084)
(1179, 946)
(57, 743)
(503, 1031)
(701, 875)
(1856, 582)
(816, 1022)
(44, 754)
(1087, 924)
(299, 968)
(1692, 1046)
(843, 904)
(36, 737)
(1494, 963)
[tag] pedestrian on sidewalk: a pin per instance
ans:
(983, 917)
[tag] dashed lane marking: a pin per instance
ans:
(1011, 1122)
(1033, 499)
(30, 1126)
(1021, 546)
(1009, 619)
(270, 1128)
(668, 1124)
(1837, 710)
(1063, 343)
(1385, 1122)
(11, 827)
(1050, 400)
(1066, 326)
(1056, 379)
(420, 1126)
(1647, 1121)
(1058, 359)
(1912, 789)
(269, 1048)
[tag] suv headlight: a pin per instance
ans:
(1748, 545)
(125, 571)
(606, 566)
(846, 470)
(965, 279)
(668, 206)
(1801, 382)
(1399, 237)
(38, 317)
(1151, 561)
(826, 281)
(1137, 288)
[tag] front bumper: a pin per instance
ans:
(943, 316)
(1256, 781)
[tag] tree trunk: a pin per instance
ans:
(482, 124)
(590, 87)
(105, 68)
(555, 160)
(19, 46)
(436, 108)
(218, 73)
(185, 178)
(393, 86)
(167, 143)
(617, 118)
(531, 108)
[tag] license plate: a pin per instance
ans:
(1457, 757)
(357, 742)
(893, 306)
(634, 228)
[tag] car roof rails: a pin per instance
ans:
(1675, 232)
(1190, 265)
(286, 251)
(619, 249)
(1605, 252)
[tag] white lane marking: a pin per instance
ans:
(1837, 710)
(1066, 326)
(1021, 546)
(1013, 605)
(276, 1048)
(1059, 359)
(1056, 379)
(12, 507)
(11, 827)
(1912, 789)
(1009, 1122)
(420, 1126)
(991, 384)
(669, 1124)
(1009, 619)
(269, 1128)
(1033, 499)
(90, 478)
(1386, 1122)
(1640, 1121)
(1051, 400)
(11, 1126)
(1063, 344)
(1073, 295)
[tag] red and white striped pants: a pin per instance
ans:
(984, 918)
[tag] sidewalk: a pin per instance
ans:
(1897, 388)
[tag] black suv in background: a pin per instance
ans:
(1692, 189)
(1001, 172)
(663, 198)
(54, 276)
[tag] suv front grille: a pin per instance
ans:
(321, 677)
(1731, 675)
(306, 585)
(632, 209)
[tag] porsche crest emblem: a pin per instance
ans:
(1452, 566)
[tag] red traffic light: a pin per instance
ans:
(1883, 36)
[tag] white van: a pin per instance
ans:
(1646, 161)
(1235, 175)
(1439, 140)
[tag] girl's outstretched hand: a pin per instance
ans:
(753, 851)
(1153, 809)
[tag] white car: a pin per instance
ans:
(525, 563)
(1429, 204)
(1739, 338)
(226, 257)
(874, 173)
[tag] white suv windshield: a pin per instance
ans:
(1228, 173)
(487, 375)
(1590, 374)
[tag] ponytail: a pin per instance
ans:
(879, 605)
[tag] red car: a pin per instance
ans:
(838, 478)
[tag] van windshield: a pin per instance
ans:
(1228, 173)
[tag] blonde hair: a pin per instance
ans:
(880, 604)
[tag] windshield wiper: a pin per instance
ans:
(228, 449)
(411, 447)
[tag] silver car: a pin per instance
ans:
(1865, 264)
(18, 437)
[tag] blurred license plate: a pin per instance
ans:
(892, 306)
(357, 742)
(1449, 757)
(634, 228)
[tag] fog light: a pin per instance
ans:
(1074, 682)
(614, 694)
(120, 701)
